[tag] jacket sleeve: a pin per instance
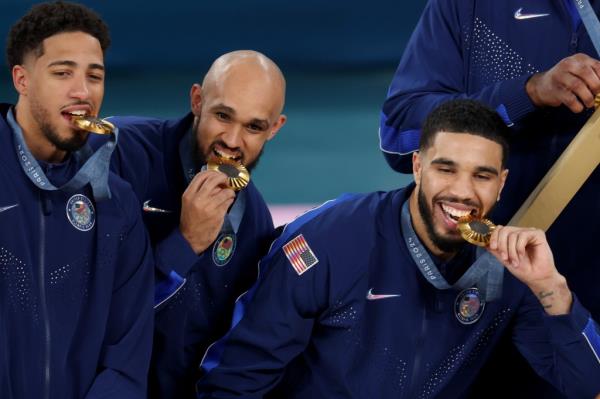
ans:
(174, 258)
(565, 350)
(434, 69)
(272, 324)
(125, 356)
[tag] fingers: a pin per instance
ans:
(510, 243)
(573, 82)
(207, 181)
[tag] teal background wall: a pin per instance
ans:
(338, 58)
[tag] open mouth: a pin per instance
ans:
(70, 115)
(221, 154)
(453, 214)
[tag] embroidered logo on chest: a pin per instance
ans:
(80, 212)
(223, 249)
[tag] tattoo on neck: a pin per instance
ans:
(545, 300)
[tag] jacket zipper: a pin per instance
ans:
(418, 357)
(43, 304)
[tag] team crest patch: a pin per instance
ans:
(300, 255)
(80, 212)
(469, 306)
(223, 249)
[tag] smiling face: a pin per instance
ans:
(238, 109)
(459, 174)
(66, 80)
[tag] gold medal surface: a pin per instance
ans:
(93, 125)
(238, 176)
(476, 231)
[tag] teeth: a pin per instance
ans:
(455, 213)
(223, 155)
(78, 113)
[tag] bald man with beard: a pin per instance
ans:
(207, 239)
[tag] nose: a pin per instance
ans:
(232, 137)
(79, 89)
(462, 187)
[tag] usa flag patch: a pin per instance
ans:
(300, 255)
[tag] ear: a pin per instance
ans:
(503, 176)
(278, 125)
(20, 79)
(196, 99)
(417, 166)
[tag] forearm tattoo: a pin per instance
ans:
(545, 298)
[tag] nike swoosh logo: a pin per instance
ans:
(374, 297)
(147, 208)
(6, 208)
(520, 16)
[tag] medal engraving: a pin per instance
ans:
(238, 176)
(476, 231)
(93, 125)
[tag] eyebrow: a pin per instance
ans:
(74, 64)
(479, 169)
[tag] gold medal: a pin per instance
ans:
(93, 125)
(238, 176)
(476, 231)
(597, 101)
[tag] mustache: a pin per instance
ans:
(78, 102)
(457, 200)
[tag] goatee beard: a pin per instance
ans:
(41, 116)
(446, 245)
(199, 159)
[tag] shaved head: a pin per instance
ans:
(248, 66)
(238, 107)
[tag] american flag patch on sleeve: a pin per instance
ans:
(300, 255)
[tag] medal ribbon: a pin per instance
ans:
(94, 170)
(486, 273)
(233, 218)
(590, 21)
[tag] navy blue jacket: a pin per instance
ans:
(75, 306)
(477, 49)
(362, 322)
(199, 310)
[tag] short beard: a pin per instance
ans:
(41, 117)
(199, 159)
(446, 245)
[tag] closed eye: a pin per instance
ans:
(61, 74)
(484, 177)
(97, 78)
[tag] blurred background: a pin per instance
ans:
(338, 58)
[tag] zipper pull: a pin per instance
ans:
(47, 206)
(574, 42)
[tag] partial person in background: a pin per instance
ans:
(535, 65)
(378, 296)
(207, 240)
(76, 272)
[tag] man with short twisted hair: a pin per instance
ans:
(75, 262)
